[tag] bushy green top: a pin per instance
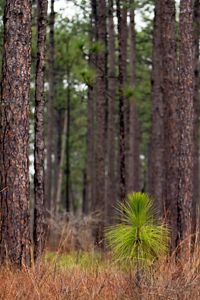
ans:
(139, 238)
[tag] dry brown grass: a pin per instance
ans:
(72, 276)
(166, 280)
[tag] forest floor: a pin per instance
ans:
(94, 276)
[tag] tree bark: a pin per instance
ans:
(122, 35)
(134, 130)
(50, 108)
(111, 176)
(14, 135)
(171, 117)
(39, 230)
(91, 113)
(156, 162)
(196, 20)
(100, 126)
(186, 110)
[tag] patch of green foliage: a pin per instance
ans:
(88, 261)
(139, 238)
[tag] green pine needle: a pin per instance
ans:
(138, 238)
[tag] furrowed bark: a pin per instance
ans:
(171, 117)
(186, 110)
(14, 135)
(48, 189)
(157, 146)
(39, 229)
(122, 34)
(196, 20)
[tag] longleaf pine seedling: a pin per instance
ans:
(139, 238)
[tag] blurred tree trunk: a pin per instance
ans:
(67, 202)
(171, 117)
(196, 16)
(62, 164)
(50, 108)
(90, 158)
(85, 203)
(122, 36)
(14, 135)
(57, 147)
(156, 162)
(39, 230)
(186, 112)
(134, 130)
(99, 204)
(111, 176)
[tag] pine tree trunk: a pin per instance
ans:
(67, 202)
(156, 163)
(90, 159)
(134, 131)
(14, 135)
(100, 126)
(122, 33)
(48, 189)
(39, 231)
(62, 164)
(85, 203)
(57, 148)
(186, 111)
(196, 19)
(111, 176)
(171, 117)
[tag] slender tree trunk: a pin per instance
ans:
(50, 108)
(67, 204)
(39, 231)
(196, 19)
(171, 117)
(134, 130)
(62, 163)
(156, 163)
(85, 203)
(90, 159)
(14, 135)
(111, 179)
(186, 111)
(100, 127)
(122, 32)
(57, 148)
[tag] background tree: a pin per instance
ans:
(39, 232)
(122, 61)
(51, 72)
(156, 161)
(171, 117)
(99, 204)
(196, 20)
(186, 111)
(111, 135)
(133, 183)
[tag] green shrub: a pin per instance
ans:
(139, 238)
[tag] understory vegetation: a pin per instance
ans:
(91, 275)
